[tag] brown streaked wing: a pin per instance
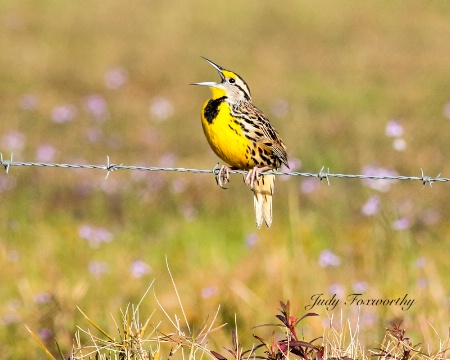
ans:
(259, 123)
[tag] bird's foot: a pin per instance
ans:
(254, 174)
(223, 176)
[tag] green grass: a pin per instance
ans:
(141, 338)
(345, 69)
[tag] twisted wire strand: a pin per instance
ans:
(7, 164)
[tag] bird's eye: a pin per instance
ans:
(232, 81)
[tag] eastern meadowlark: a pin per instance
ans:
(240, 134)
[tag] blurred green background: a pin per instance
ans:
(359, 87)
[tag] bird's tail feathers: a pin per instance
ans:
(262, 195)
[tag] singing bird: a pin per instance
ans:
(242, 136)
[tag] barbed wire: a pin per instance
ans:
(321, 175)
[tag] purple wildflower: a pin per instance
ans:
(294, 164)
(401, 224)
(28, 102)
(394, 129)
(422, 282)
(209, 291)
(337, 289)
(368, 318)
(45, 333)
(13, 141)
(328, 258)
(63, 113)
(98, 268)
(380, 185)
(309, 185)
(139, 268)
(10, 318)
(150, 136)
(399, 144)
(42, 298)
(447, 110)
(179, 185)
(93, 134)
(167, 160)
(95, 236)
(421, 262)
(156, 182)
(189, 211)
(252, 239)
(116, 77)
(161, 108)
(371, 206)
(360, 286)
(431, 217)
(7, 183)
(45, 153)
(96, 105)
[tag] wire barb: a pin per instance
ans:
(110, 167)
(428, 179)
(324, 175)
(6, 163)
(216, 170)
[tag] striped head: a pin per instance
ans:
(231, 85)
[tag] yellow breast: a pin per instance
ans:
(226, 138)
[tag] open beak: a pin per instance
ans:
(219, 70)
(206, 83)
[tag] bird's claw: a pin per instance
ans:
(254, 174)
(223, 176)
(251, 176)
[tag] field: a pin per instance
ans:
(357, 87)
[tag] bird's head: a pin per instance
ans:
(231, 85)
